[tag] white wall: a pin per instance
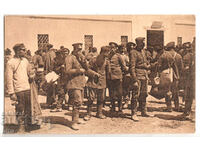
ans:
(66, 32)
(62, 32)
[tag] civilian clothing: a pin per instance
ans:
(17, 75)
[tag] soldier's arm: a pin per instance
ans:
(123, 64)
(132, 61)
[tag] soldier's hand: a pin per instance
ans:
(82, 70)
(135, 84)
(13, 97)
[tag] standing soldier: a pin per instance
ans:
(76, 82)
(126, 77)
(39, 67)
(117, 66)
(138, 70)
(178, 62)
(48, 67)
(166, 63)
(96, 86)
(188, 60)
(59, 67)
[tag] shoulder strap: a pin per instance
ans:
(17, 67)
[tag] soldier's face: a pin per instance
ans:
(21, 52)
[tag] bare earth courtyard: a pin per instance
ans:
(60, 122)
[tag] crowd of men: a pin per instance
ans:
(125, 70)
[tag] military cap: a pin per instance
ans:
(187, 45)
(49, 46)
(7, 51)
(130, 45)
(170, 45)
(65, 50)
(139, 39)
(158, 47)
(77, 44)
(113, 43)
(105, 49)
(18, 47)
(94, 49)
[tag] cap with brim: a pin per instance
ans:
(19, 46)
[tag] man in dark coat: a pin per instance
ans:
(117, 67)
(138, 69)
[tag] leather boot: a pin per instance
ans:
(120, 111)
(89, 111)
(176, 103)
(75, 119)
(100, 111)
(134, 110)
(169, 104)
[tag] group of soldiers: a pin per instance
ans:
(125, 70)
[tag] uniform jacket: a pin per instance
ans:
(138, 65)
(117, 67)
(17, 75)
(49, 61)
(75, 80)
(102, 70)
(166, 61)
(37, 61)
(178, 61)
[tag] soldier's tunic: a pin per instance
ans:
(97, 87)
(59, 62)
(138, 65)
(166, 61)
(75, 80)
(117, 66)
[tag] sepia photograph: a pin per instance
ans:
(99, 74)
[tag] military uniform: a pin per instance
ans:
(166, 61)
(117, 66)
(179, 64)
(138, 69)
(59, 69)
(75, 83)
(96, 86)
(188, 60)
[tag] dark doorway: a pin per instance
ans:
(155, 37)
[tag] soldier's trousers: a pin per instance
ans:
(175, 94)
(94, 94)
(60, 92)
(139, 95)
(23, 108)
(188, 96)
(116, 92)
(51, 94)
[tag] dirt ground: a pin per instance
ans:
(60, 122)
